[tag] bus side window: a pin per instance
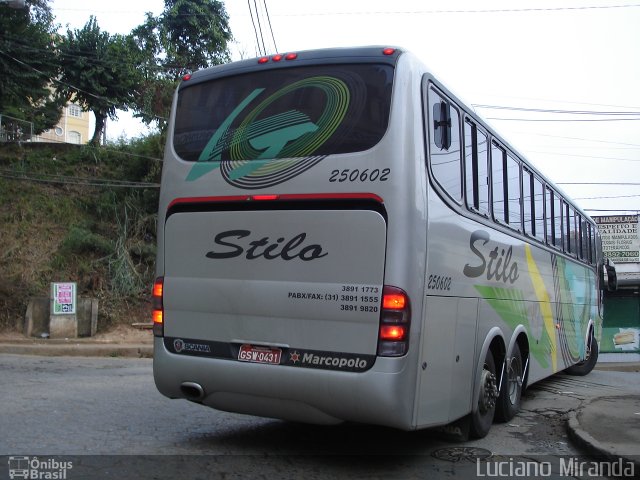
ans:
(592, 244)
(483, 171)
(514, 194)
(476, 168)
(446, 150)
(499, 183)
(538, 201)
(572, 232)
(528, 203)
(551, 237)
(584, 239)
(557, 216)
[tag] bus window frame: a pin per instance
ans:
(565, 243)
(475, 203)
(497, 146)
(518, 227)
(429, 88)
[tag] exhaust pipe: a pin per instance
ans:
(193, 391)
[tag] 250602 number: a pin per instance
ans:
(439, 282)
(356, 175)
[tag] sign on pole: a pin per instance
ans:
(64, 298)
(620, 241)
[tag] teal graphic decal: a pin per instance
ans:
(267, 151)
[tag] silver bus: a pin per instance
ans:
(340, 238)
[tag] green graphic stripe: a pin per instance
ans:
(510, 306)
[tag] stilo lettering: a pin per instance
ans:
(498, 268)
(265, 247)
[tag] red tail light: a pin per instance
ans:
(392, 332)
(395, 318)
(158, 307)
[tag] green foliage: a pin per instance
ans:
(80, 240)
(102, 237)
(29, 65)
(99, 72)
(188, 35)
(193, 35)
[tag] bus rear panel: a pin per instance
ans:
(274, 239)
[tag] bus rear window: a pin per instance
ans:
(284, 113)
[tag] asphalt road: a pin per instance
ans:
(106, 417)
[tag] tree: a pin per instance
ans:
(99, 72)
(187, 36)
(29, 65)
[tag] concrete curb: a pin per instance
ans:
(71, 349)
(618, 366)
(585, 440)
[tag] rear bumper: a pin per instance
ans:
(383, 395)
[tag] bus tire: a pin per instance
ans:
(482, 417)
(511, 392)
(584, 367)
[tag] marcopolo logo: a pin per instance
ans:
(266, 151)
(330, 361)
(37, 468)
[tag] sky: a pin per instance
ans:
(558, 79)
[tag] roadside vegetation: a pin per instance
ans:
(82, 214)
(88, 213)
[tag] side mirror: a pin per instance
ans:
(608, 276)
(612, 276)
(442, 125)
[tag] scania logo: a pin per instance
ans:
(264, 247)
(178, 345)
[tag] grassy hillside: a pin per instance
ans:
(83, 214)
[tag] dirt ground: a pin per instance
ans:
(117, 334)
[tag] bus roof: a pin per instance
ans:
(370, 54)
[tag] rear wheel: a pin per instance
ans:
(482, 417)
(584, 367)
(511, 392)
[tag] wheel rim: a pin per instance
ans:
(488, 390)
(587, 353)
(514, 379)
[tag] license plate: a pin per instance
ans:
(258, 354)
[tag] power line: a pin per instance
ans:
(635, 210)
(266, 10)
(584, 156)
(58, 81)
(600, 198)
(569, 112)
(80, 181)
(597, 183)
(577, 138)
(102, 148)
(497, 10)
(264, 48)
(564, 119)
(99, 97)
(255, 30)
